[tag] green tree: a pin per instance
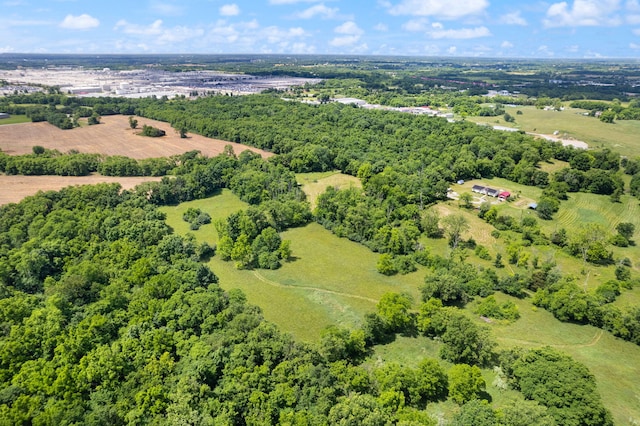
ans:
(394, 308)
(133, 123)
(454, 226)
(465, 383)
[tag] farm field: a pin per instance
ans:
(18, 187)
(623, 136)
(112, 136)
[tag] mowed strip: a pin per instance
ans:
(112, 136)
(15, 188)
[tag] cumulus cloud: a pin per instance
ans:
(441, 8)
(636, 31)
(80, 22)
(634, 46)
(350, 34)
(318, 10)
(381, 27)
(513, 19)
(506, 45)
(229, 10)
(461, 34)
(583, 13)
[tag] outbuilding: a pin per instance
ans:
(504, 195)
(4, 115)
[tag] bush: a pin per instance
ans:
(152, 132)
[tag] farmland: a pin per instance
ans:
(623, 136)
(112, 136)
(24, 186)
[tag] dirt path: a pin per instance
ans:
(594, 341)
(319, 290)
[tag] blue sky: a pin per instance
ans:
(485, 28)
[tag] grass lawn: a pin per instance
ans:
(314, 184)
(623, 136)
(15, 119)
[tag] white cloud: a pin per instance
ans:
(415, 25)
(452, 50)
(80, 22)
(634, 46)
(318, 10)
(461, 34)
(229, 10)
(441, 8)
(506, 45)
(349, 27)
(583, 13)
(154, 29)
(513, 19)
(179, 34)
(381, 27)
(350, 34)
(6, 49)
(167, 9)
(633, 5)
(633, 19)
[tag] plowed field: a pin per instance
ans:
(15, 188)
(112, 136)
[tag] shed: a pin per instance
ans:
(492, 192)
(504, 195)
(4, 115)
(479, 188)
(533, 206)
(461, 182)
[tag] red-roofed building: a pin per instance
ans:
(504, 195)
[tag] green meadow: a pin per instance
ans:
(332, 280)
(623, 136)
(15, 119)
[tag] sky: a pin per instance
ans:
(471, 28)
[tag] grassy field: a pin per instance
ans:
(334, 281)
(623, 136)
(15, 119)
(314, 184)
(310, 292)
(579, 209)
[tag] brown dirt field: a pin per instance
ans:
(112, 136)
(20, 187)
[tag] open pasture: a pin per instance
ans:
(623, 136)
(112, 136)
(314, 184)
